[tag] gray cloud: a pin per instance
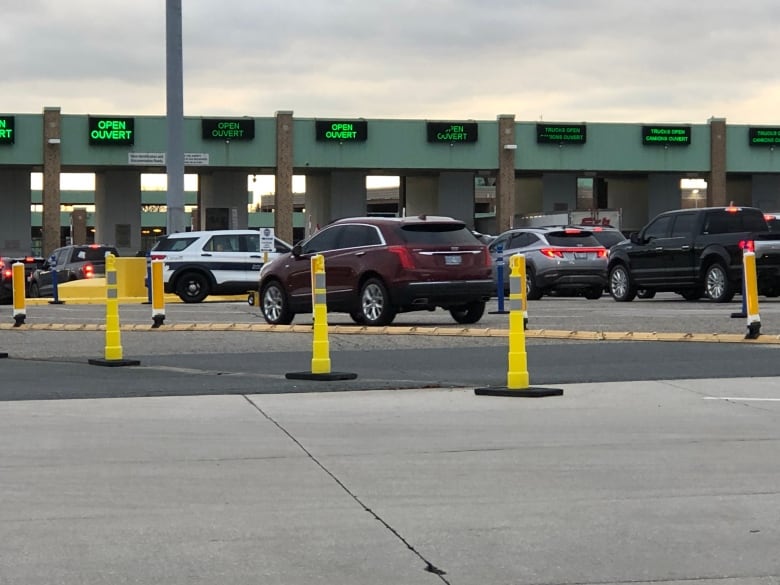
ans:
(595, 60)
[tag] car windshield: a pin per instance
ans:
(447, 234)
(172, 244)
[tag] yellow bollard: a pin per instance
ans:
(751, 294)
(19, 291)
(320, 361)
(158, 296)
(517, 373)
(113, 349)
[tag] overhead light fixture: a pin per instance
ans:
(510, 147)
(53, 141)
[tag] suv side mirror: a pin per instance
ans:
(635, 238)
(297, 250)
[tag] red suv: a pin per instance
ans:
(377, 267)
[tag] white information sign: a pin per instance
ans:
(267, 243)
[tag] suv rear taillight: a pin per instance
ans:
(157, 256)
(88, 270)
(404, 256)
(488, 261)
(7, 272)
(559, 252)
(748, 245)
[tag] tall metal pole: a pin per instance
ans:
(176, 220)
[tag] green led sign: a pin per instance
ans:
(110, 131)
(666, 135)
(452, 132)
(7, 129)
(560, 133)
(226, 129)
(764, 136)
(341, 130)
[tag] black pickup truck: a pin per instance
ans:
(73, 262)
(696, 253)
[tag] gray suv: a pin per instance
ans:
(558, 259)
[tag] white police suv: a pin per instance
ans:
(197, 264)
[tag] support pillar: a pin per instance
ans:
(716, 184)
(224, 200)
(118, 210)
(51, 180)
(15, 221)
(505, 178)
(283, 200)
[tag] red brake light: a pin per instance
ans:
(572, 231)
(748, 245)
(157, 256)
(8, 273)
(732, 209)
(486, 256)
(559, 252)
(552, 252)
(89, 271)
(769, 216)
(404, 256)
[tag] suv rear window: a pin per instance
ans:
(93, 253)
(447, 234)
(564, 239)
(172, 244)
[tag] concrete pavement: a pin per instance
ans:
(610, 483)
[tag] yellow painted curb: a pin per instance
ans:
(410, 330)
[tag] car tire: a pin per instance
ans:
(717, 284)
(192, 287)
(34, 291)
(357, 317)
(275, 305)
(620, 286)
(375, 308)
(645, 293)
(468, 314)
(691, 294)
(594, 293)
(532, 290)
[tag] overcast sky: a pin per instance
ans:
(557, 60)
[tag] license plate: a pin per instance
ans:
(581, 255)
(452, 260)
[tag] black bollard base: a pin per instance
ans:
(753, 330)
(114, 363)
(329, 376)
(530, 392)
(157, 321)
(19, 320)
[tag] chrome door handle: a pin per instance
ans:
(686, 247)
(360, 253)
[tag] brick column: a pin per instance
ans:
(716, 184)
(283, 200)
(51, 180)
(505, 181)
